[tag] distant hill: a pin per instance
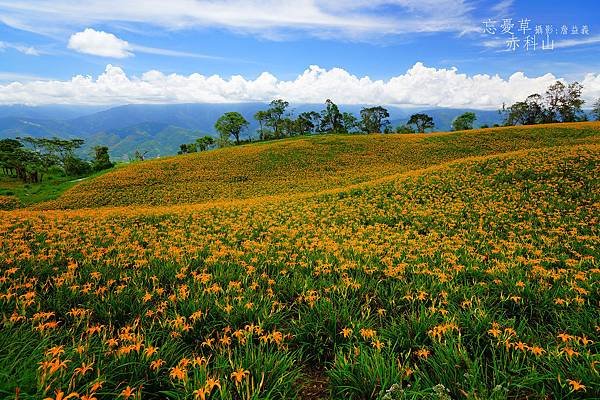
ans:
(189, 116)
(54, 112)
(22, 126)
(161, 128)
(158, 129)
(158, 139)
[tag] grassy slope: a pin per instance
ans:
(305, 164)
(51, 187)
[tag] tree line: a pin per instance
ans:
(278, 122)
(30, 159)
(560, 103)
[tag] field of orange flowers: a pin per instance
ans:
(303, 164)
(476, 279)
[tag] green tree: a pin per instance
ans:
(308, 122)
(140, 155)
(75, 166)
(8, 149)
(261, 117)
(533, 110)
(187, 148)
(517, 114)
(26, 164)
(421, 122)
(528, 112)
(29, 158)
(204, 143)
(231, 124)
(54, 148)
(331, 119)
(55, 151)
(350, 124)
(288, 127)
(404, 129)
(31, 165)
(201, 144)
(374, 119)
(101, 159)
(596, 110)
(464, 122)
(275, 114)
(564, 102)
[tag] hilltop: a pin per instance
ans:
(303, 165)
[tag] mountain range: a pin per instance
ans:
(159, 129)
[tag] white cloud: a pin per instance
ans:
(99, 43)
(28, 50)
(591, 88)
(174, 53)
(12, 76)
(419, 86)
(104, 44)
(581, 41)
(503, 8)
(268, 18)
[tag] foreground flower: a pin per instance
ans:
(537, 350)
(178, 373)
(576, 385)
(156, 364)
(423, 353)
(127, 392)
(377, 344)
(60, 395)
(239, 375)
(83, 369)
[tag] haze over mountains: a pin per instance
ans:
(159, 129)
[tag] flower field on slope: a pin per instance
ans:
(478, 279)
(304, 164)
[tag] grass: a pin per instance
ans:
(51, 187)
(31, 193)
(475, 278)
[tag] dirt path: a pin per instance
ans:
(80, 179)
(315, 385)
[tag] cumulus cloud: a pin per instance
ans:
(268, 18)
(418, 86)
(591, 88)
(104, 44)
(99, 43)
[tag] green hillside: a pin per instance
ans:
(303, 164)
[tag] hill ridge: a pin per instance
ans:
(272, 199)
(306, 164)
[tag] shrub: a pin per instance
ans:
(75, 166)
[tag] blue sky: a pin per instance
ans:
(57, 40)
